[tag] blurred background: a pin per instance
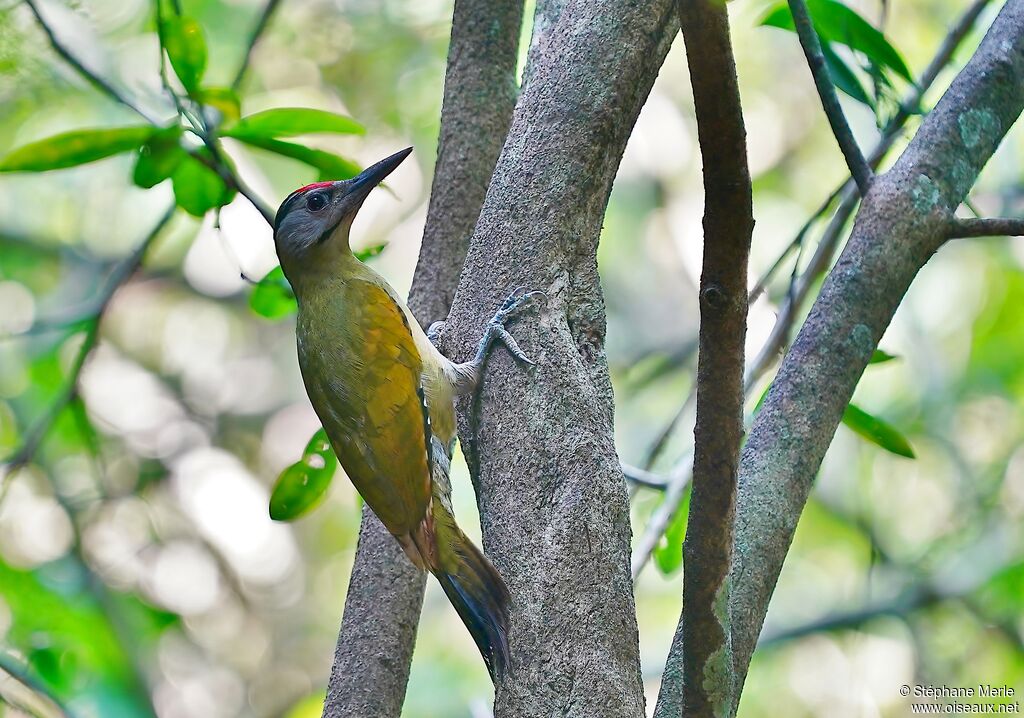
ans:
(140, 572)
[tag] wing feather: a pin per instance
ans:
(363, 374)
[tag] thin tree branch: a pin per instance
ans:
(927, 592)
(378, 631)
(694, 682)
(902, 222)
(842, 620)
(222, 167)
(962, 228)
(848, 198)
(859, 168)
(676, 483)
(98, 82)
(118, 276)
(642, 477)
(218, 165)
(257, 33)
(661, 441)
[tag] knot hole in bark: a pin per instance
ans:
(714, 296)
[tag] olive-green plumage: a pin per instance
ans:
(385, 396)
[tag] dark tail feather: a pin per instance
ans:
(479, 595)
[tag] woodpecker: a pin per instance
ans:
(385, 395)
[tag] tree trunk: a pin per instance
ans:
(540, 444)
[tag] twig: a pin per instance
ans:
(120, 274)
(675, 486)
(900, 606)
(859, 168)
(661, 441)
(847, 193)
(942, 57)
(10, 666)
(921, 596)
(801, 287)
(642, 477)
(198, 126)
(795, 244)
(261, 25)
(220, 166)
(986, 227)
(101, 84)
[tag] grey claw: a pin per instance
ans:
(502, 335)
(514, 302)
(511, 299)
(434, 331)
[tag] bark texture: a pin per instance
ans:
(702, 643)
(902, 222)
(378, 631)
(479, 94)
(553, 500)
(378, 628)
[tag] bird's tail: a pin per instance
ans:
(475, 589)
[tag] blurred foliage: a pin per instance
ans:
(140, 570)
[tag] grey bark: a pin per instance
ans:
(553, 502)
(545, 17)
(479, 93)
(378, 632)
(378, 628)
(904, 219)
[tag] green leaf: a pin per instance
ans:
(835, 22)
(66, 637)
(844, 78)
(881, 356)
(779, 16)
(186, 48)
(158, 158)
(272, 297)
(309, 707)
(223, 99)
(198, 189)
(291, 121)
(304, 484)
(877, 431)
(369, 252)
(760, 400)
(668, 554)
(1003, 594)
(332, 167)
(75, 148)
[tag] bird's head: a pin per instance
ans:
(318, 216)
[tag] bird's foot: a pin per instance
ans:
(470, 373)
(496, 331)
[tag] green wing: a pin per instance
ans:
(363, 374)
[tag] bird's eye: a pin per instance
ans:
(316, 202)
